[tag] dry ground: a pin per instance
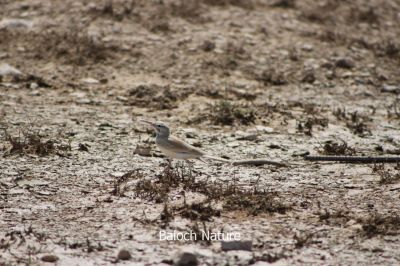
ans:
(242, 79)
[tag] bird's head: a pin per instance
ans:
(160, 128)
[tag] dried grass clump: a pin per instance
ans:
(120, 183)
(355, 121)
(229, 113)
(230, 195)
(73, 46)
(255, 202)
(157, 190)
(387, 176)
(380, 224)
(32, 142)
(156, 96)
(335, 148)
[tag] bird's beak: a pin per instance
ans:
(148, 122)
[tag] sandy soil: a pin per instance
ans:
(82, 183)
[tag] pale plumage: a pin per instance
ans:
(175, 148)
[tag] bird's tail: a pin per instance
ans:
(216, 158)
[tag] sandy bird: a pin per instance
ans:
(176, 148)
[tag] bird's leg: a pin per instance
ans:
(190, 168)
(181, 171)
(169, 165)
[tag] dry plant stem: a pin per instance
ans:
(258, 162)
(354, 159)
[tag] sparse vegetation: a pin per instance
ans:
(72, 45)
(158, 190)
(197, 211)
(255, 202)
(156, 96)
(302, 239)
(251, 79)
(393, 109)
(387, 175)
(356, 122)
(229, 113)
(233, 197)
(198, 230)
(271, 76)
(322, 13)
(307, 126)
(120, 183)
(380, 224)
(31, 141)
(335, 148)
(115, 9)
(338, 218)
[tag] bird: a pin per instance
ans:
(175, 148)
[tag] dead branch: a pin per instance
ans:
(258, 162)
(354, 159)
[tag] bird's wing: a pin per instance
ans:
(179, 146)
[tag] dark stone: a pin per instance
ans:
(345, 62)
(49, 258)
(187, 259)
(124, 254)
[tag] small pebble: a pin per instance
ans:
(122, 99)
(33, 86)
(83, 147)
(191, 133)
(233, 144)
(11, 23)
(124, 254)
(34, 93)
(187, 259)
(390, 88)
(3, 55)
(300, 153)
(347, 74)
(307, 47)
(49, 258)
(345, 62)
(90, 81)
(262, 129)
(208, 46)
(249, 137)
